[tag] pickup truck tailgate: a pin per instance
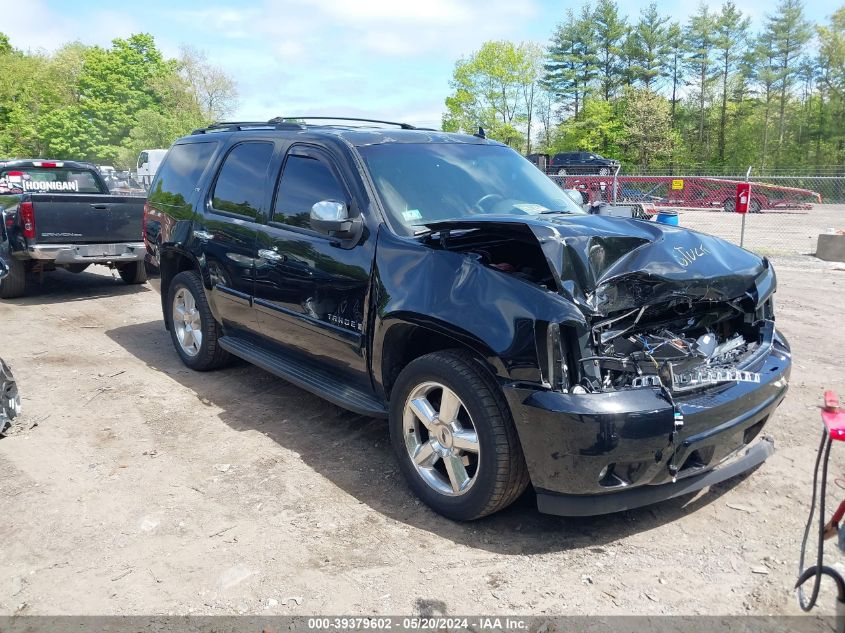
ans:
(87, 218)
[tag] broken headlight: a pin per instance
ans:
(555, 370)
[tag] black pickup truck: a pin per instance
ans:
(59, 214)
(442, 282)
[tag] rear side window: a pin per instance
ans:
(305, 181)
(179, 174)
(50, 180)
(241, 184)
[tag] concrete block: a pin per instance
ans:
(831, 247)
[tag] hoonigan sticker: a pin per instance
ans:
(50, 185)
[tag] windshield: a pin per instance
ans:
(431, 182)
(49, 180)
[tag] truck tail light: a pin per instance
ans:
(144, 221)
(27, 216)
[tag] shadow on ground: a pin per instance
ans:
(61, 286)
(354, 453)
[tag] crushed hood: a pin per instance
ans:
(606, 264)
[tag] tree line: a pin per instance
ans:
(710, 92)
(105, 105)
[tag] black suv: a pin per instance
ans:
(442, 282)
(566, 163)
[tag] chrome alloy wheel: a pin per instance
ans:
(187, 322)
(441, 439)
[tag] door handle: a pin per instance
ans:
(101, 207)
(270, 255)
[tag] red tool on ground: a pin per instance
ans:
(833, 417)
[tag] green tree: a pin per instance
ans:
(789, 33)
(648, 134)
(730, 41)
(598, 129)
(571, 62)
(700, 34)
(489, 91)
(649, 50)
(105, 104)
(831, 79)
(766, 74)
(677, 51)
(214, 93)
(610, 31)
(530, 86)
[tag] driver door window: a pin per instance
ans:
(305, 181)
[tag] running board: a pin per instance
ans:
(313, 379)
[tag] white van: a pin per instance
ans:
(148, 163)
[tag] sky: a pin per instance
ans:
(388, 59)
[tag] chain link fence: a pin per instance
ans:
(787, 212)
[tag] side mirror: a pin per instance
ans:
(332, 218)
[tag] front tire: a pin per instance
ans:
(14, 284)
(454, 437)
(134, 273)
(755, 206)
(561, 172)
(194, 331)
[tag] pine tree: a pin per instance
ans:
(789, 32)
(730, 41)
(700, 34)
(649, 49)
(677, 51)
(610, 31)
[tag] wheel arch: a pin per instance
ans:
(173, 261)
(401, 340)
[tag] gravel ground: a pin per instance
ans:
(132, 485)
(774, 233)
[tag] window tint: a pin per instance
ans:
(305, 181)
(50, 180)
(179, 174)
(240, 184)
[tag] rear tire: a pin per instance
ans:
(755, 206)
(186, 299)
(730, 205)
(491, 471)
(77, 268)
(14, 284)
(561, 172)
(134, 273)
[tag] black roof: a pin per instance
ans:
(360, 132)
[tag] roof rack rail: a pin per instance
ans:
(234, 126)
(404, 126)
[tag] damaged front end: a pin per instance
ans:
(681, 345)
(664, 307)
(671, 374)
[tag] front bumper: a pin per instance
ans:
(605, 452)
(88, 253)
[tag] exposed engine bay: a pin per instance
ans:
(681, 346)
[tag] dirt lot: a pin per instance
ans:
(133, 486)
